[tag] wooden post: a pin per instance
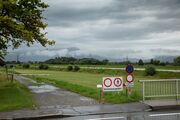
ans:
(12, 78)
(100, 95)
(6, 72)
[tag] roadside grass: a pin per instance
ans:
(84, 82)
(14, 95)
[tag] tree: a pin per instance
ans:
(21, 21)
(151, 61)
(140, 62)
(177, 61)
(154, 62)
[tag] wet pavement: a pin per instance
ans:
(175, 115)
(49, 96)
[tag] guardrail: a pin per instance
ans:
(160, 88)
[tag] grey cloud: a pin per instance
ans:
(169, 51)
(119, 12)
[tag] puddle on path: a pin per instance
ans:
(42, 88)
(86, 99)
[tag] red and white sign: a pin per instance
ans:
(129, 78)
(112, 84)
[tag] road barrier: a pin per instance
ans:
(163, 88)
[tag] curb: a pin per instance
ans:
(37, 117)
(40, 117)
(168, 107)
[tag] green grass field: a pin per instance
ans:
(59, 66)
(14, 95)
(85, 82)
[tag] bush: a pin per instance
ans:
(177, 61)
(150, 71)
(76, 68)
(11, 66)
(43, 67)
(70, 68)
(26, 66)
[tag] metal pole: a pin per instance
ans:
(143, 92)
(177, 90)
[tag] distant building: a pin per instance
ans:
(2, 63)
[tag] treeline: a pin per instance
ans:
(72, 60)
(153, 62)
(93, 61)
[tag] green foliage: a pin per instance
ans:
(162, 64)
(177, 61)
(155, 62)
(11, 66)
(21, 21)
(2, 63)
(43, 67)
(72, 60)
(150, 71)
(69, 68)
(140, 62)
(76, 68)
(26, 66)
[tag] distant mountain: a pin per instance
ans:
(165, 58)
(24, 57)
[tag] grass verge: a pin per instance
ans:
(14, 96)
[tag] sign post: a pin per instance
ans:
(129, 79)
(100, 92)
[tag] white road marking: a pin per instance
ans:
(109, 118)
(167, 114)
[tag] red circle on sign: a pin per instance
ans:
(116, 84)
(132, 77)
(109, 80)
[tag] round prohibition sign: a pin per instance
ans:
(129, 78)
(107, 82)
(117, 82)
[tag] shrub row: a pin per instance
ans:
(73, 68)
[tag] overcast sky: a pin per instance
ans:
(111, 28)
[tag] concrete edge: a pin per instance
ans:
(66, 115)
(168, 107)
(38, 117)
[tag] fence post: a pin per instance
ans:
(177, 90)
(143, 91)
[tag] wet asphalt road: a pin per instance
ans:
(165, 115)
